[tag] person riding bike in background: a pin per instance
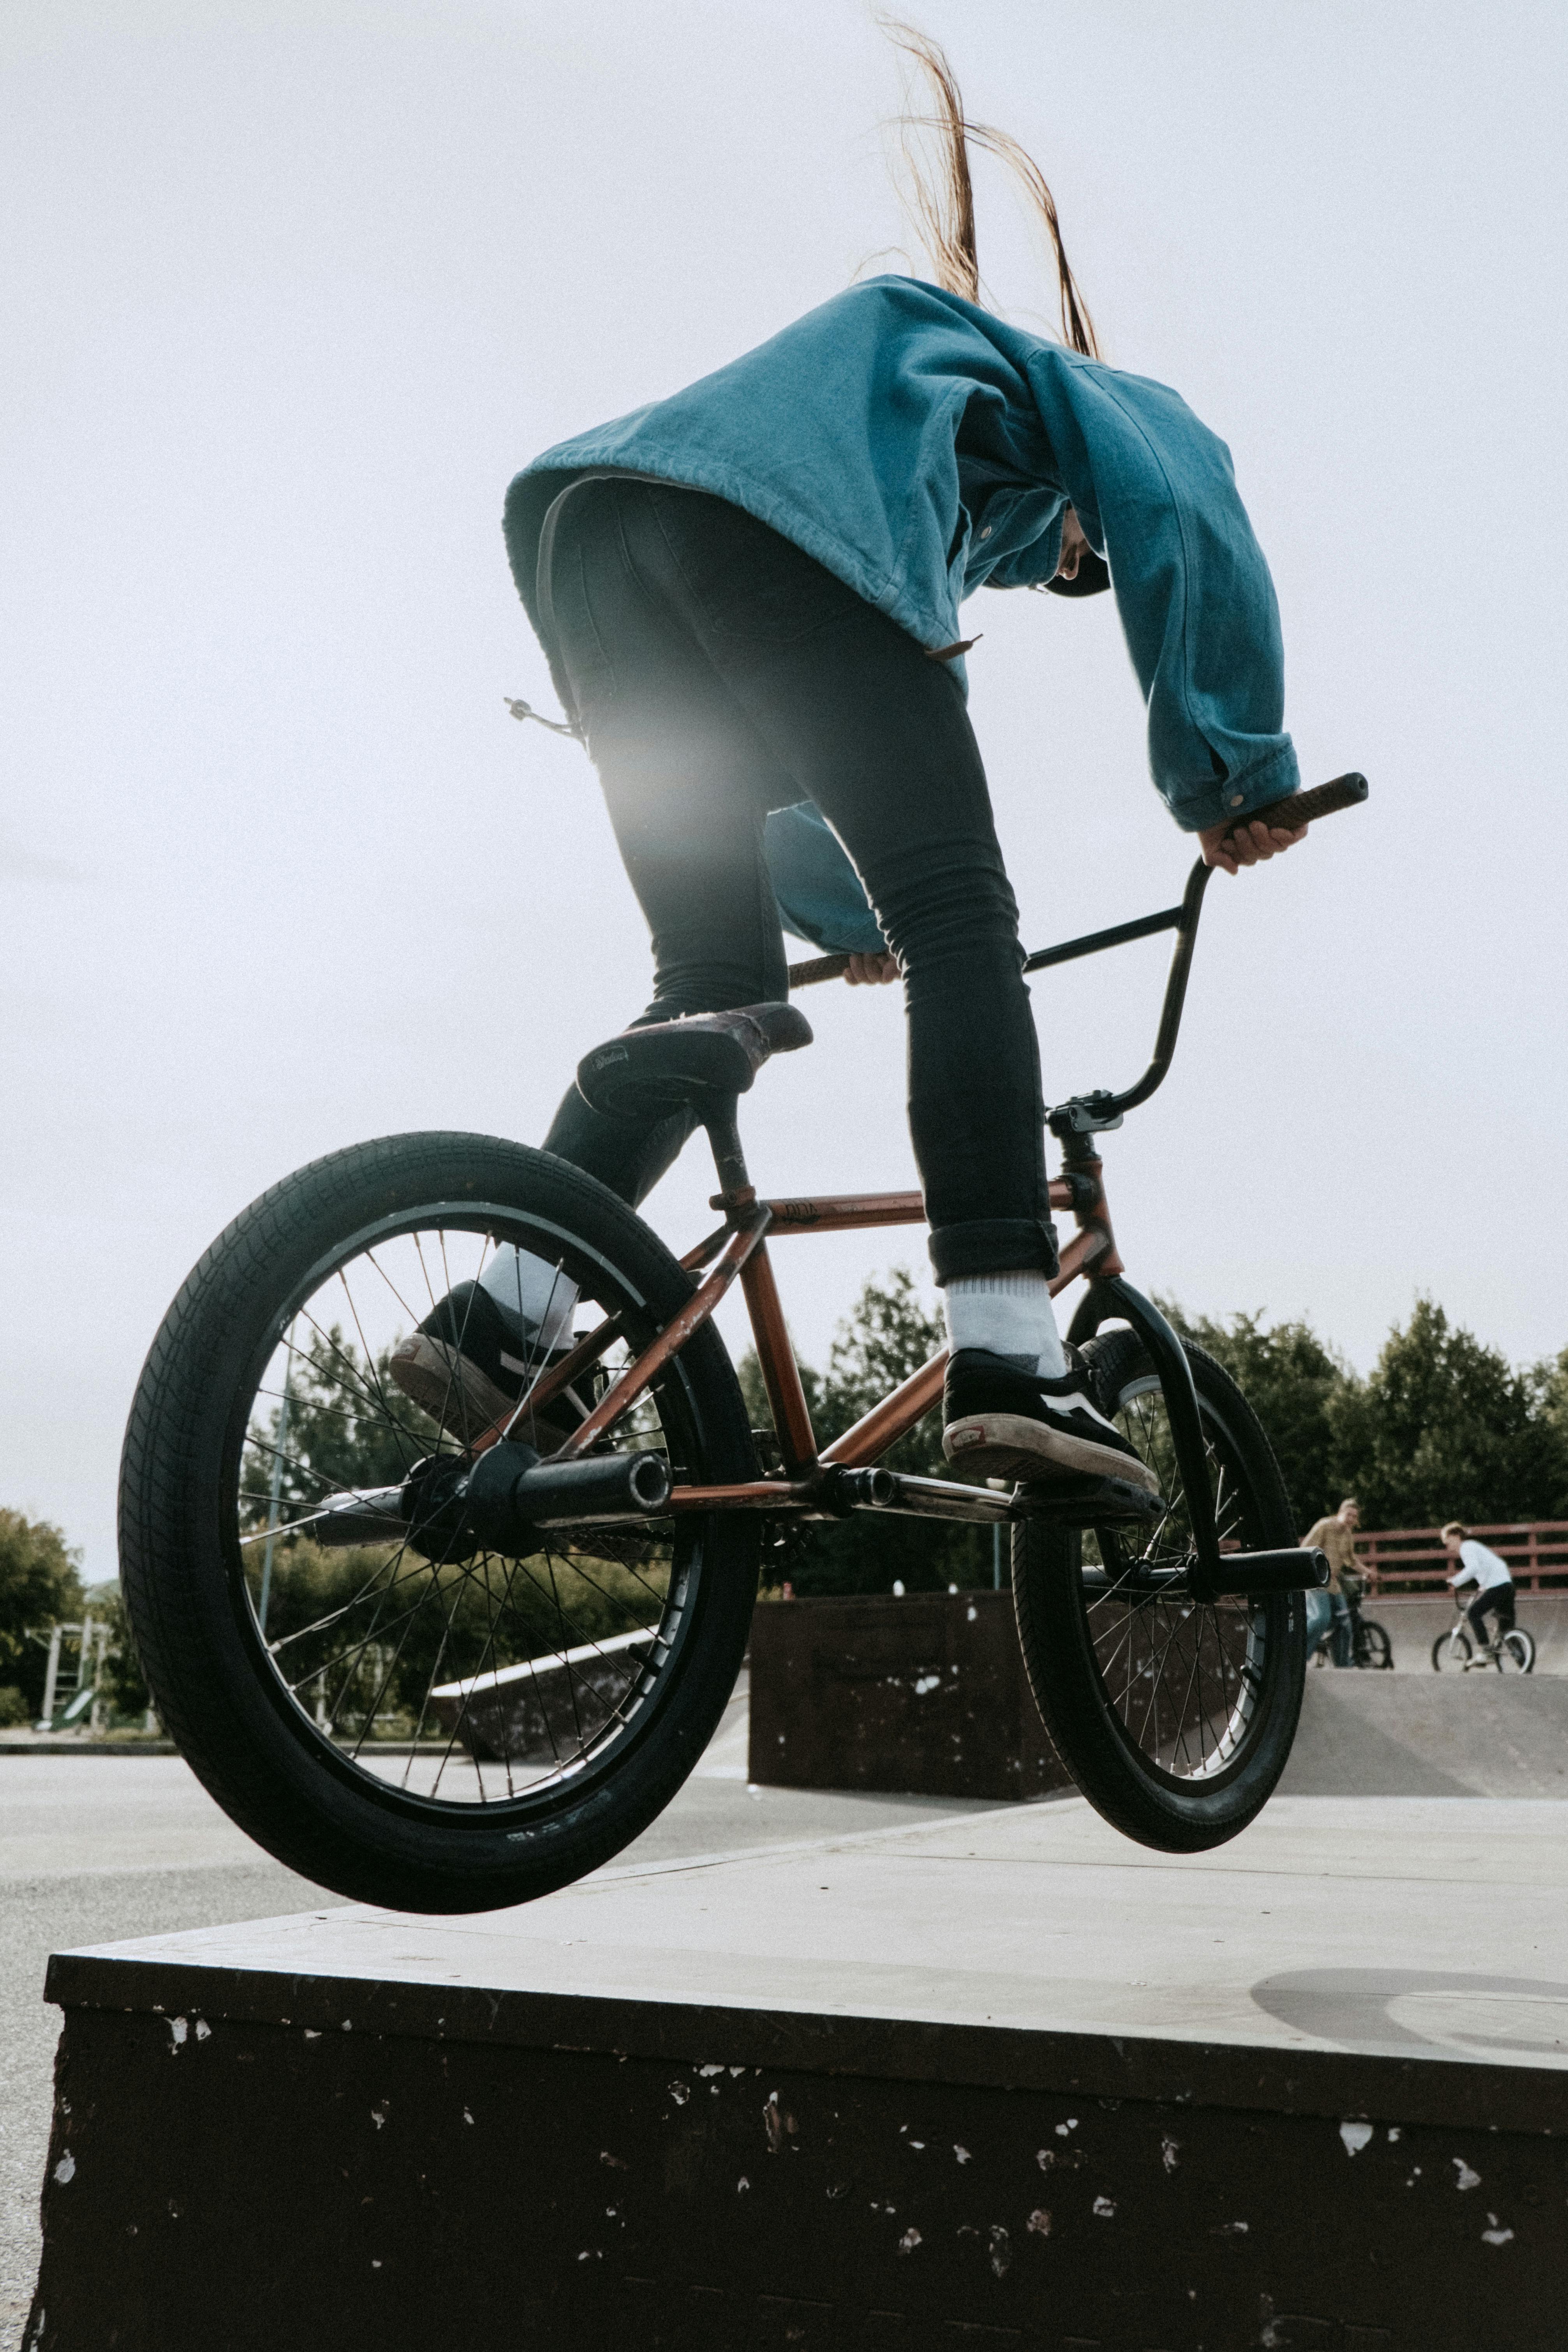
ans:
(748, 594)
(1492, 1576)
(1335, 1538)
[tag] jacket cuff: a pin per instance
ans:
(1239, 797)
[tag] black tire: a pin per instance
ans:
(1451, 1652)
(285, 1733)
(1373, 1647)
(1182, 1755)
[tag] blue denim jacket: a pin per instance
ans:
(921, 448)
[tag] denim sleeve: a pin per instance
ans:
(1155, 492)
(818, 890)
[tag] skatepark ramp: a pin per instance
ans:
(1479, 1735)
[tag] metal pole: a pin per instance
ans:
(277, 1484)
(51, 1676)
(95, 1721)
(996, 1556)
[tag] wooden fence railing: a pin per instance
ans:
(1412, 1560)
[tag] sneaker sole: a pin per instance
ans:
(454, 1391)
(1010, 1445)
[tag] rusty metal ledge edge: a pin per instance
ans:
(1379, 2086)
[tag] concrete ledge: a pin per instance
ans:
(1442, 2090)
(998, 2080)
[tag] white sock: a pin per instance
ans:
(1008, 1315)
(533, 1294)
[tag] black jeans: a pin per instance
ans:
(1497, 1600)
(719, 672)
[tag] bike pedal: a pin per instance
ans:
(1082, 1502)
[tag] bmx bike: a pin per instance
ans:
(1370, 1645)
(1513, 1652)
(453, 1671)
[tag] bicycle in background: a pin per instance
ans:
(1456, 1651)
(1370, 1645)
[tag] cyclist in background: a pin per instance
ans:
(749, 597)
(1335, 1538)
(1494, 1580)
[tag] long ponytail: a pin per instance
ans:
(942, 204)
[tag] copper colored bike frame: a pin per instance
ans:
(740, 1248)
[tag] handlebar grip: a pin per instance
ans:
(827, 966)
(1322, 800)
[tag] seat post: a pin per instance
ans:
(724, 1135)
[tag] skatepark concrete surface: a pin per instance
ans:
(1402, 1893)
(1352, 1924)
(923, 2021)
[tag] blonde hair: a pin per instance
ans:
(942, 203)
(1454, 1528)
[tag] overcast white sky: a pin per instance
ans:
(290, 291)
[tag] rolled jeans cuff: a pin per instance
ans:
(993, 1245)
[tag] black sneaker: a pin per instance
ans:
(466, 1365)
(999, 1421)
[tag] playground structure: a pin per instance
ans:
(77, 1652)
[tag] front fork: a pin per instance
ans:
(1110, 1294)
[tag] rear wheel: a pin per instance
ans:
(1174, 1717)
(1451, 1653)
(1372, 1647)
(1516, 1652)
(403, 1725)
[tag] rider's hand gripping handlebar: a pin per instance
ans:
(1295, 809)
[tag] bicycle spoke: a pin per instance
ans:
(1177, 1674)
(465, 1680)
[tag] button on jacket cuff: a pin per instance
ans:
(1239, 797)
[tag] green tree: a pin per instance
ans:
(1445, 1428)
(1292, 1379)
(1548, 1383)
(373, 1627)
(348, 1425)
(39, 1583)
(888, 1334)
(122, 1683)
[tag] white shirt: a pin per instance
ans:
(1481, 1567)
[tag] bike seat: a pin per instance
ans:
(701, 1059)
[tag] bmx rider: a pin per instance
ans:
(1493, 1579)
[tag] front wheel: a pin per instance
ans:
(1451, 1653)
(409, 1720)
(1175, 1715)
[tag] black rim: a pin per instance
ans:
(1181, 1681)
(457, 1687)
